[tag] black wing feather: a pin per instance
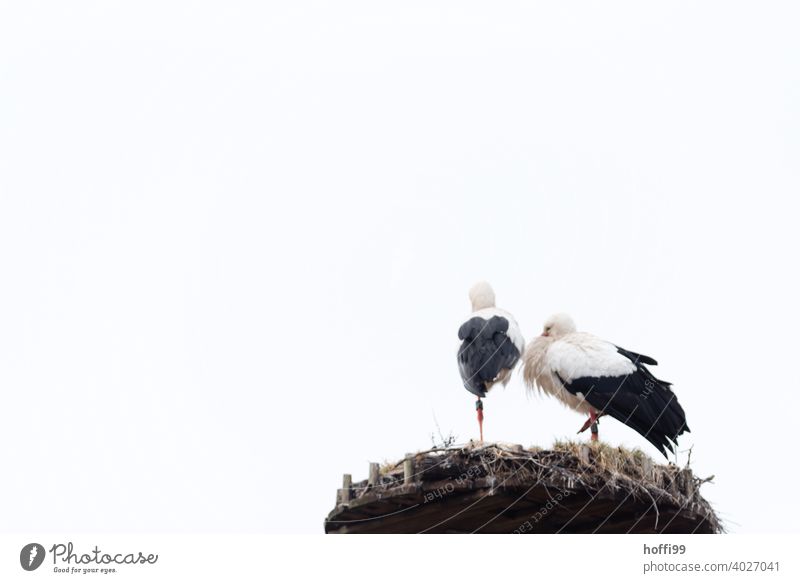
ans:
(634, 357)
(485, 351)
(640, 400)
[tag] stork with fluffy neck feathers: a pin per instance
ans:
(595, 377)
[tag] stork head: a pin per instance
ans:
(482, 296)
(558, 325)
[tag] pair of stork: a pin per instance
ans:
(587, 374)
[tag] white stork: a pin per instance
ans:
(491, 346)
(598, 378)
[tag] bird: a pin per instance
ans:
(596, 378)
(491, 346)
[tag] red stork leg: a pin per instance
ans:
(479, 408)
(591, 422)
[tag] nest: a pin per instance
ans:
(503, 488)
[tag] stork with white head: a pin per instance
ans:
(595, 377)
(491, 345)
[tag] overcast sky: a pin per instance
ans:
(236, 241)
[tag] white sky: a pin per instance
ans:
(236, 243)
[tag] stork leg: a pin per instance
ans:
(479, 408)
(591, 422)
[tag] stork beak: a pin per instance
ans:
(545, 334)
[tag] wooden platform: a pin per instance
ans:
(497, 488)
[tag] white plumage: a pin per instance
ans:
(583, 355)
